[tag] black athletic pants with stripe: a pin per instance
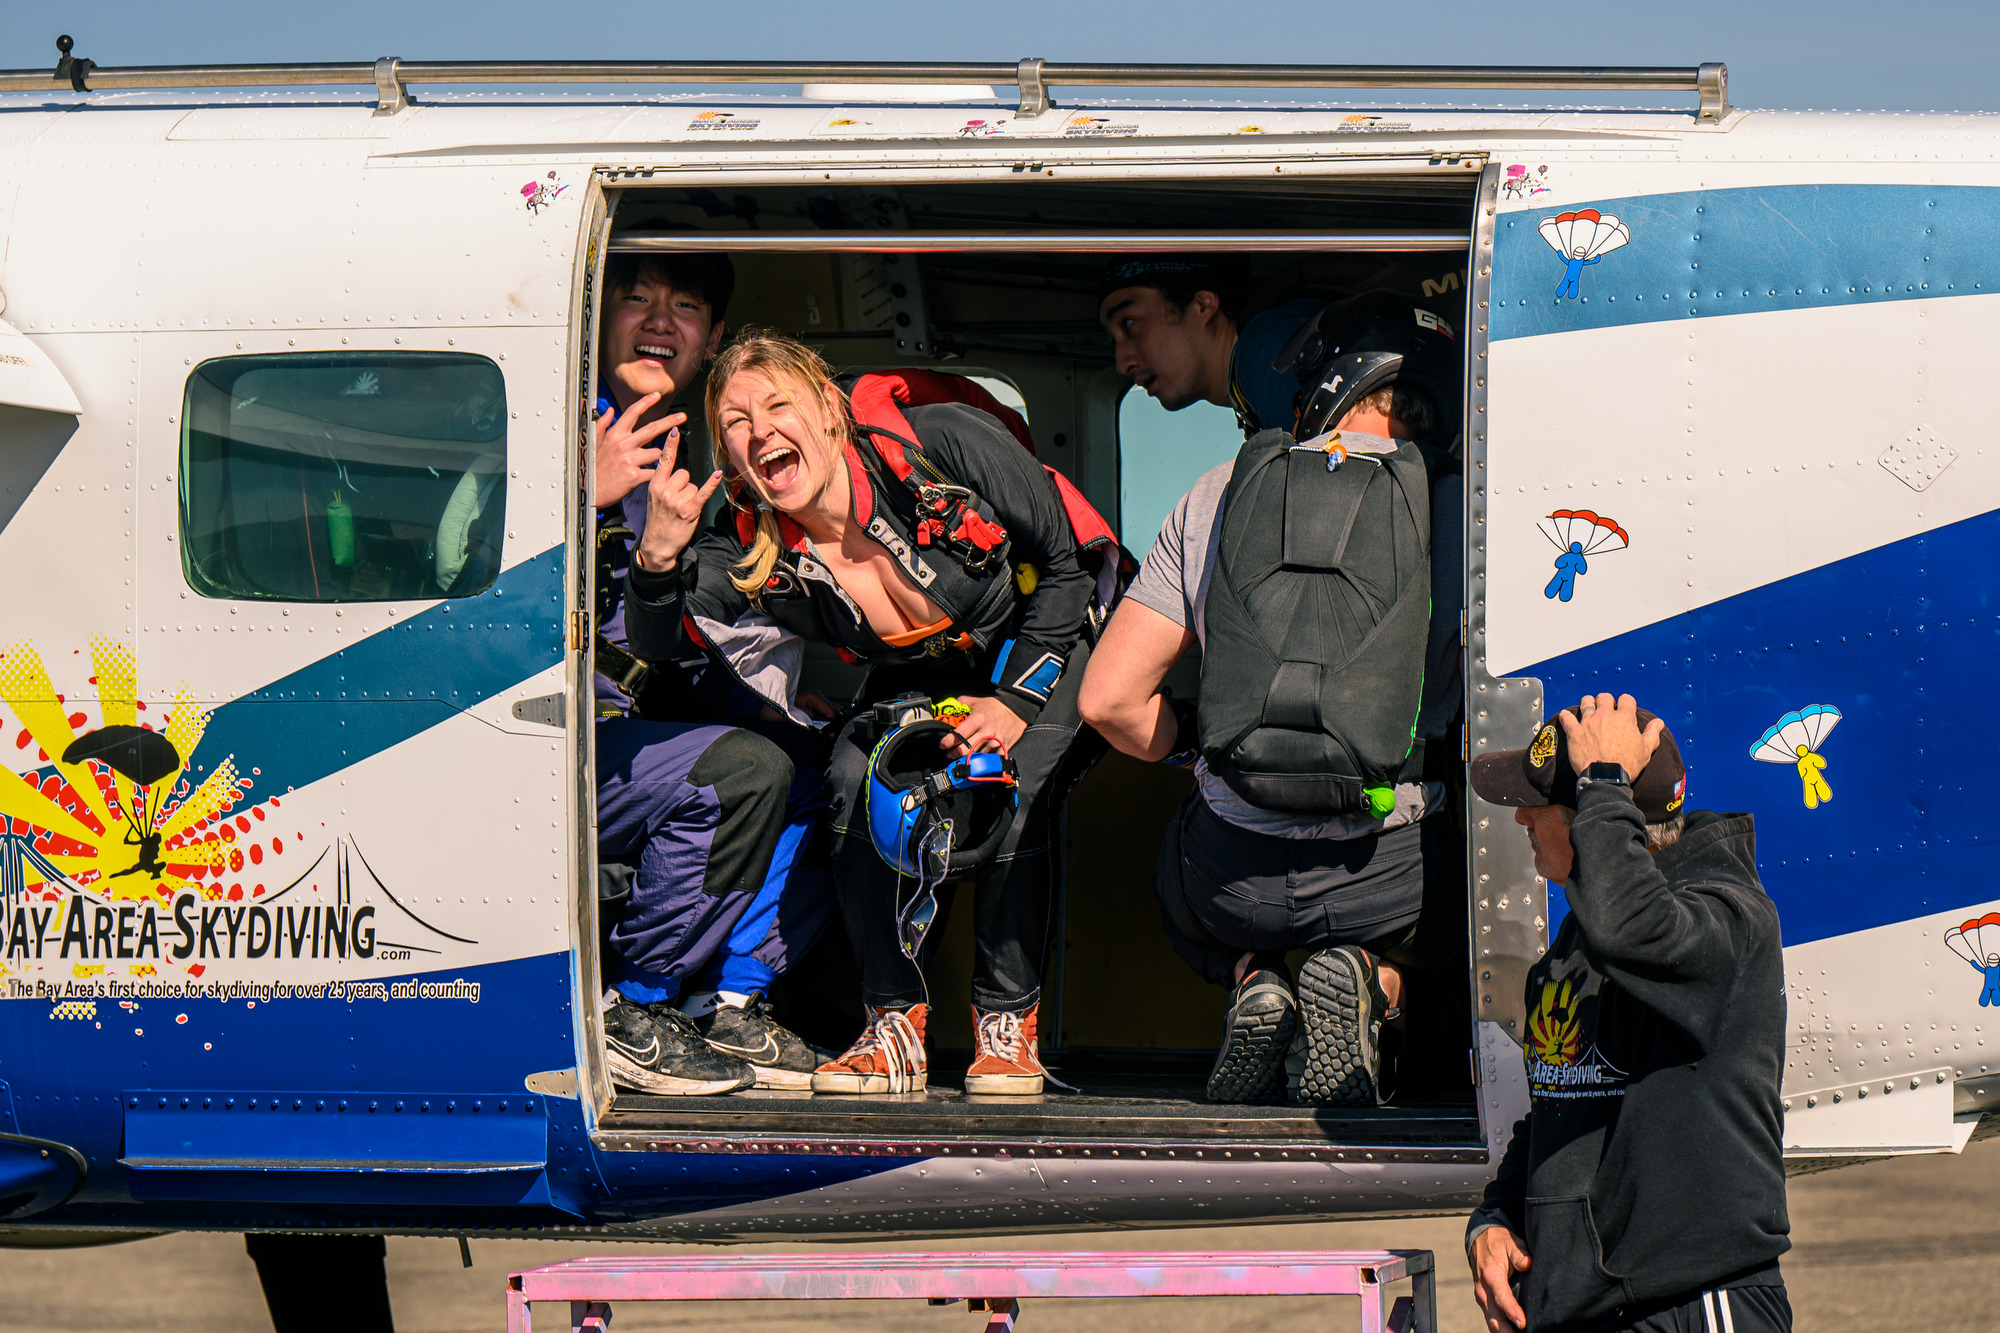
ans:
(1757, 1309)
(1013, 895)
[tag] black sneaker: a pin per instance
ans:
(779, 1056)
(1250, 1067)
(648, 1051)
(1336, 1058)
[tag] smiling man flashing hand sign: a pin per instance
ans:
(1645, 1188)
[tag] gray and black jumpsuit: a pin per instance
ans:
(1027, 648)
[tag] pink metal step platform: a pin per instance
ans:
(992, 1283)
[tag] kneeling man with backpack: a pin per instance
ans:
(1303, 570)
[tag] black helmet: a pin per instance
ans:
(1354, 347)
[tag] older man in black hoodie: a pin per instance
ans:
(1645, 1188)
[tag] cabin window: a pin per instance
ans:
(1161, 454)
(343, 476)
(1003, 390)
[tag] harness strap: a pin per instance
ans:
(627, 671)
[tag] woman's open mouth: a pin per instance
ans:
(779, 467)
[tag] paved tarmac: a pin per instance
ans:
(1908, 1243)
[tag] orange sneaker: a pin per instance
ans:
(1004, 1061)
(888, 1056)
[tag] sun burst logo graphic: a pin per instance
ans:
(1553, 1028)
(112, 809)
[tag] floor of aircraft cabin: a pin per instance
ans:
(1102, 1106)
(1904, 1243)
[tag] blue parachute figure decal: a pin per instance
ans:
(1978, 942)
(1578, 534)
(1581, 238)
(1795, 739)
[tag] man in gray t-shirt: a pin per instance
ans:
(1240, 885)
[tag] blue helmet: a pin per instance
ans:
(913, 790)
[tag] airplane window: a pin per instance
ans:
(1160, 455)
(1008, 395)
(343, 476)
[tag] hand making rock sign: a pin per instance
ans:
(673, 503)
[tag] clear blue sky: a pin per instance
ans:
(1901, 55)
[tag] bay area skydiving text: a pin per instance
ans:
(81, 929)
(1590, 1076)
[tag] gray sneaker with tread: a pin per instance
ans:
(1250, 1067)
(1336, 1057)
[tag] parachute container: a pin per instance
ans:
(1593, 532)
(1976, 941)
(1808, 727)
(1584, 235)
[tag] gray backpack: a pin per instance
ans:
(1318, 612)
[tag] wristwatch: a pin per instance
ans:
(1603, 772)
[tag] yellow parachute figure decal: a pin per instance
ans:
(1795, 739)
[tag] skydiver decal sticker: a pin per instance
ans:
(1977, 941)
(1097, 127)
(1356, 124)
(1581, 238)
(1520, 183)
(726, 121)
(117, 811)
(1040, 678)
(537, 195)
(1795, 739)
(1577, 534)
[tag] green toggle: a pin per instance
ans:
(340, 532)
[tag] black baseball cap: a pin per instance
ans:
(1543, 775)
(1179, 277)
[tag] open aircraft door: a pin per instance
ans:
(1679, 372)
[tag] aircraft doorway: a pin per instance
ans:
(1123, 1019)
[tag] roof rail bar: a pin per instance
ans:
(1034, 77)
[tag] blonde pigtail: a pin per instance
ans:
(753, 571)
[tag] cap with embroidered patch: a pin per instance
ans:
(1542, 774)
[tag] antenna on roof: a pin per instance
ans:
(72, 67)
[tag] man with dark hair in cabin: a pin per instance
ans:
(1645, 1188)
(701, 825)
(1173, 321)
(1374, 894)
(1178, 331)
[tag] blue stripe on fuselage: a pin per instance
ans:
(1703, 253)
(1905, 641)
(389, 686)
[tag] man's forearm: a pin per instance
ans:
(1143, 728)
(1120, 695)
